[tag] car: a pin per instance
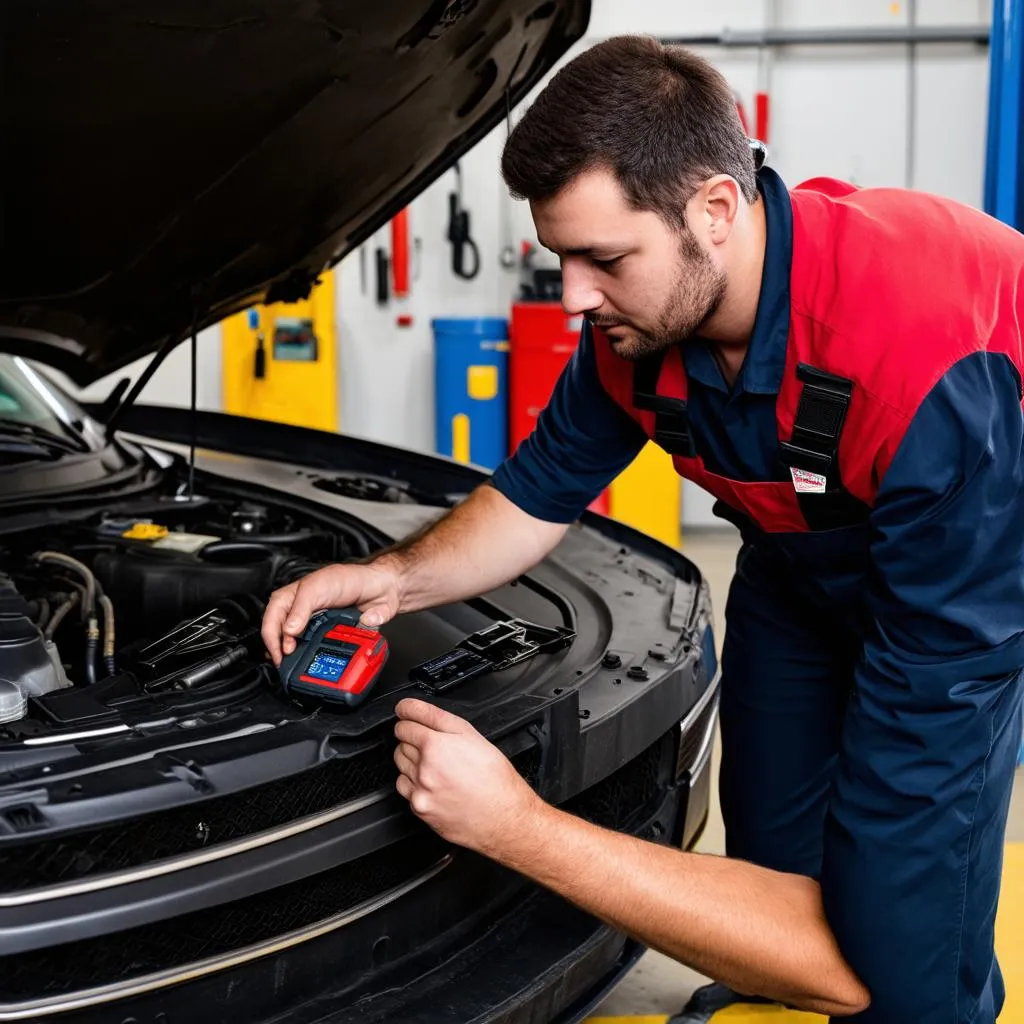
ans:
(182, 838)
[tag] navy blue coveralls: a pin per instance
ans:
(894, 795)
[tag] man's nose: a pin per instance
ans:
(578, 291)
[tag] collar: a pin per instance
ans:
(765, 361)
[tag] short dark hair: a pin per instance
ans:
(660, 117)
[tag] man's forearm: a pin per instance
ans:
(481, 544)
(759, 931)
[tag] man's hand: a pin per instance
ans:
(459, 783)
(753, 929)
(373, 588)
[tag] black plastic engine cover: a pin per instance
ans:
(154, 588)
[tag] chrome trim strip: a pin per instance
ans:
(710, 694)
(700, 762)
(192, 860)
(177, 975)
(705, 699)
(73, 737)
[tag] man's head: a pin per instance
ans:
(636, 167)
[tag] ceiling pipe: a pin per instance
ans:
(978, 34)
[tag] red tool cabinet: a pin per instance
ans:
(542, 337)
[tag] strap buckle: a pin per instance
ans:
(671, 418)
(820, 414)
(814, 449)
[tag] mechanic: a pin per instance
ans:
(841, 369)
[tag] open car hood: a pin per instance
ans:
(169, 162)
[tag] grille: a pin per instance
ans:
(174, 943)
(693, 739)
(618, 798)
(139, 841)
(156, 837)
(214, 931)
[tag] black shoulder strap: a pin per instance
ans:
(671, 419)
(812, 452)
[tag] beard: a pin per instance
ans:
(696, 294)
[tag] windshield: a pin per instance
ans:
(26, 398)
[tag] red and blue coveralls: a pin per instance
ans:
(871, 452)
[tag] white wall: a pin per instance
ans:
(384, 367)
(839, 111)
(172, 382)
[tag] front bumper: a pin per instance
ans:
(527, 957)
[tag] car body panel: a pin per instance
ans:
(573, 722)
(191, 159)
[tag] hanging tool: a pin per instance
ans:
(458, 233)
(260, 363)
(761, 116)
(507, 258)
(400, 265)
(382, 276)
(400, 253)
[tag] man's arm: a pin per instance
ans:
(757, 930)
(582, 441)
(482, 543)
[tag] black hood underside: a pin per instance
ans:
(168, 162)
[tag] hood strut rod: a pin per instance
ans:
(193, 426)
(144, 378)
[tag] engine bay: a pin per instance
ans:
(155, 598)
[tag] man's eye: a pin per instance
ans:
(606, 264)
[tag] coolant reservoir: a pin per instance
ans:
(12, 702)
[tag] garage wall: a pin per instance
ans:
(840, 111)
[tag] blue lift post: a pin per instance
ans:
(1004, 163)
(1004, 159)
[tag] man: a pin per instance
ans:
(841, 368)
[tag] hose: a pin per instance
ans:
(237, 547)
(58, 616)
(83, 570)
(92, 642)
(224, 692)
(42, 612)
(108, 634)
(92, 633)
(295, 568)
(295, 537)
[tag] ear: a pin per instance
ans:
(719, 204)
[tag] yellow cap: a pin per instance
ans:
(145, 531)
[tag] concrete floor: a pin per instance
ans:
(658, 985)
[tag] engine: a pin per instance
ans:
(161, 596)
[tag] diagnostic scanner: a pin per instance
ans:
(335, 659)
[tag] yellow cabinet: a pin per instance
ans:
(295, 379)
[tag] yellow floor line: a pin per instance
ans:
(1009, 945)
(627, 1020)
